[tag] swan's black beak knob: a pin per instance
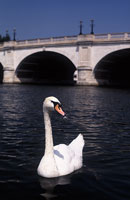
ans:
(59, 110)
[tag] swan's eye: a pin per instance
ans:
(55, 104)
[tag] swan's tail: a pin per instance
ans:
(77, 145)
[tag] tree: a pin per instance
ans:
(5, 38)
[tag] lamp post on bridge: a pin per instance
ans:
(7, 37)
(81, 27)
(92, 25)
(14, 34)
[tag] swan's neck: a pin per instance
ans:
(48, 134)
(47, 166)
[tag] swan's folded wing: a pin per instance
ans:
(63, 152)
(64, 159)
(77, 145)
(69, 157)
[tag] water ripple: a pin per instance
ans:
(101, 115)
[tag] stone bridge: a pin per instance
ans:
(101, 59)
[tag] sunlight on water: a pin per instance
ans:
(102, 115)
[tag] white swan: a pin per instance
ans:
(61, 159)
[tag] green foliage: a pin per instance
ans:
(5, 38)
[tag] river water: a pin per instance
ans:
(102, 115)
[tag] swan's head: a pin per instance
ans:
(51, 104)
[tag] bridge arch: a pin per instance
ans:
(46, 67)
(114, 69)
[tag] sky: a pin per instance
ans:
(54, 18)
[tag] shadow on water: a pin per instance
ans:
(79, 185)
(82, 184)
(49, 185)
(64, 187)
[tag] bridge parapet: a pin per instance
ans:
(79, 38)
(112, 36)
(75, 40)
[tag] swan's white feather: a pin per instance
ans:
(77, 145)
(69, 157)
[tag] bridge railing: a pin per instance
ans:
(46, 40)
(111, 36)
(100, 36)
(83, 37)
(68, 39)
(117, 35)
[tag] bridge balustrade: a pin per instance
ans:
(68, 39)
(117, 35)
(101, 36)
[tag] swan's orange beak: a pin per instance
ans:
(59, 110)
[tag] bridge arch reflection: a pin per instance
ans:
(114, 69)
(46, 67)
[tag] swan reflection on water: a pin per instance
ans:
(49, 184)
